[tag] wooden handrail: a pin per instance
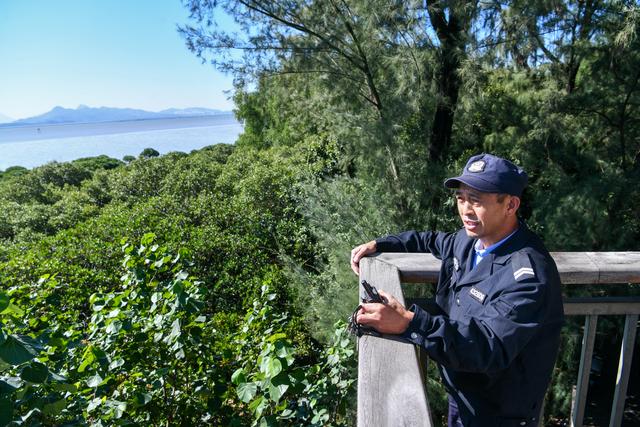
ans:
(584, 268)
(391, 387)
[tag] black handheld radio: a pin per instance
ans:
(372, 296)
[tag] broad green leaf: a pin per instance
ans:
(155, 297)
(278, 387)
(116, 363)
(55, 377)
(258, 406)
(54, 408)
(95, 403)
(284, 350)
(94, 381)
(59, 386)
(15, 351)
(35, 373)
(177, 287)
(85, 363)
(276, 337)
(198, 321)
(142, 399)
(114, 327)
(175, 331)
(4, 301)
(9, 385)
(320, 417)
(246, 391)
(147, 239)
(118, 407)
(286, 413)
(13, 309)
(6, 411)
(297, 379)
(88, 357)
(269, 421)
(238, 376)
(271, 366)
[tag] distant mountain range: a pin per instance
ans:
(84, 114)
(5, 119)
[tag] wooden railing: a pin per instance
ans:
(391, 377)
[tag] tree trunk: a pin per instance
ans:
(448, 88)
(452, 34)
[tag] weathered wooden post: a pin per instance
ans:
(391, 382)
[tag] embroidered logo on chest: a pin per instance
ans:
(477, 295)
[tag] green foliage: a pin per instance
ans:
(147, 342)
(551, 86)
(153, 344)
(338, 148)
(12, 171)
(277, 389)
(148, 153)
(152, 351)
(21, 372)
(98, 162)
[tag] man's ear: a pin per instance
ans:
(513, 205)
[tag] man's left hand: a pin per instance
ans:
(389, 318)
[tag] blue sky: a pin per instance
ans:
(115, 53)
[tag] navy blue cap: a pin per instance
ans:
(491, 174)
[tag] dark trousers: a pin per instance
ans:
(453, 420)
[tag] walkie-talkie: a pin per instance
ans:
(372, 294)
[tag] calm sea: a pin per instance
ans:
(31, 146)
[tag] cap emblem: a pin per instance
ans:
(477, 166)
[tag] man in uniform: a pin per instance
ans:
(496, 330)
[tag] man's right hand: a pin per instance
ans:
(360, 251)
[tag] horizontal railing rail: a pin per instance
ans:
(391, 380)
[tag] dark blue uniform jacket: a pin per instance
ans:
(496, 329)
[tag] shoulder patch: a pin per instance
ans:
(522, 268)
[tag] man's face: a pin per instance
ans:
(486, 216)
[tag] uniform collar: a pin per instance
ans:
(502, 254)
(499, 255)
(482, 253)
